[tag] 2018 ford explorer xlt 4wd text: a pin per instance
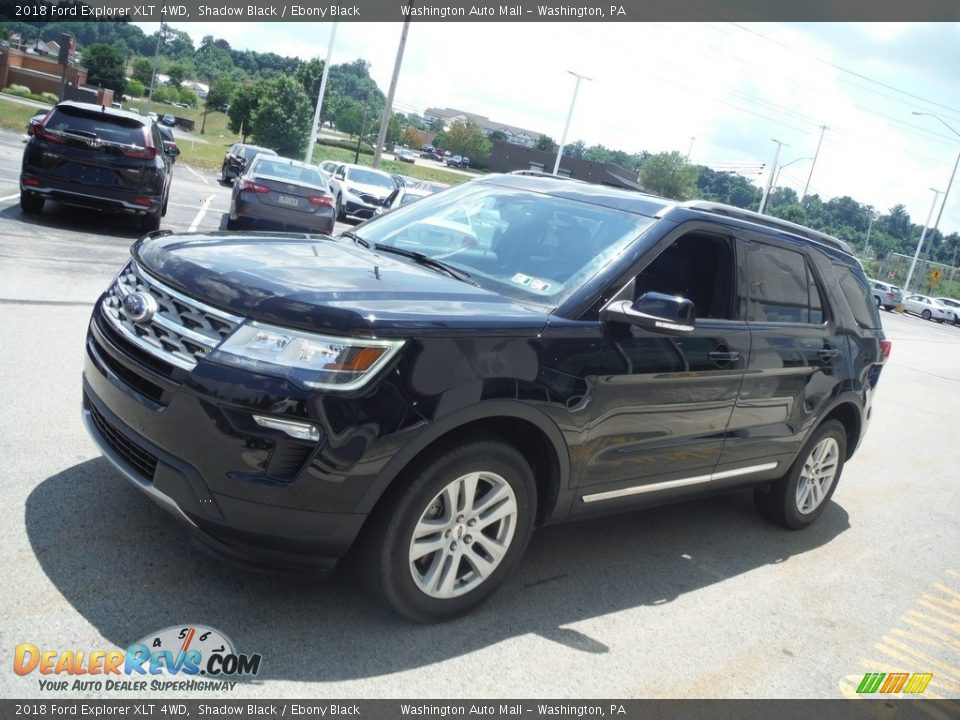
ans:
(512, 352)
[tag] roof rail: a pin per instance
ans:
(768, 221)
(540, 173)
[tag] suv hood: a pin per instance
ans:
(327, 285)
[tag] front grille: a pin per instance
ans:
(131, 378)
(372, 199)
(180, 331)
(139, 459)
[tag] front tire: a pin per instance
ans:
(341, 215)
(452, 531)
(926, 315)
(799, 497)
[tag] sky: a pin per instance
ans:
(657, 86)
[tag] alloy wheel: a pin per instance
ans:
(816, 478)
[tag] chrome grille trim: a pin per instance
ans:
(180, 332)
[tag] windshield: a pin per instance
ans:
(94, 125)
(288, 171)
(523, 245)
(368, 177)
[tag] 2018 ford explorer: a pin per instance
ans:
(443, 379)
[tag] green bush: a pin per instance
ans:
(135, 89)
(188, 97)
(48, 97)
(166, 94)
(365, 148)
(19, 90)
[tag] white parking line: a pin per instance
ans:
(200, 213)
(196, 174)
(9, 197)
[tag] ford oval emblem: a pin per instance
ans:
(139, 306)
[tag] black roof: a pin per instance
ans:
(109, 111)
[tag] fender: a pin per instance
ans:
(848, 397)
(486, 409)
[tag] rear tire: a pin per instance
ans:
(797, 499)
(451, 530)
(926, 315)
(31, 204)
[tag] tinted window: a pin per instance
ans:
(779, 287)
(286, 171)
(369, 177)
(83, 124)
(857, 293)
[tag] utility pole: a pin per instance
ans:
(773, 170)
(866, 243)
(689, 150)
(388, 108)
(363, 126)
(566, 127)
(823, 129)
(314, 130)
(906, 285)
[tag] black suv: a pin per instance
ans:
(439, 381)
(237, 158)
(97, 157)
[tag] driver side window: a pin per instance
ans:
(697, 266)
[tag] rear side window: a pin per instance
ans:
(780, 287)
(856, 290)
(94, 126)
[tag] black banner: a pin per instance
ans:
(456, 11)
(896, 709)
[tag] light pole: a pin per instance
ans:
(823, 129)
(689, 150)
(866, 243)
(566, 127)
(777, 176)
(388, 108)
(906, 285)
(953, 174)
(323, 88)
(773, 169)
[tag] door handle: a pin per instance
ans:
(719, 356)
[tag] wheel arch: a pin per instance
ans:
(850, 415)
(523, 427)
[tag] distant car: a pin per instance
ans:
(953, 305)
(153, 116)
(360, 190)
(328, 168)
(236, 160)
(96, 157)
(275, 191)
(405, 156)
(168, 119)
(460, 161)
(36, 120)
(885, 295)
(169, 142)
(927, 308)
(403, 196)
(432, 154)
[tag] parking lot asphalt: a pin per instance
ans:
(702, 599)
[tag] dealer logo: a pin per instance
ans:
(181, 651)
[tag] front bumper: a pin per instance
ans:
(186, 451)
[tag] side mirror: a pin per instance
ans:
(173, 151)
(667, 314)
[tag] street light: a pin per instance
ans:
(773, 169)
(775, 177)
(936, 194)
(946, 192)
(573, 101)
(823, 129)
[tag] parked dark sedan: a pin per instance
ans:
(169, 142)
(238, 157)
(276, 192)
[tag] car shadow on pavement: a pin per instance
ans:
(129, 569)
(62, 217)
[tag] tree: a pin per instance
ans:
(545, 142)
(188, 97)
(349, 117)
(134, 89)
(575, 150)
(283, 116)
(166, 95)
(597, 153)
(177, 74)
(310, 74)
(221, 93)
(436, 125)
(465, 138)
(668, 175)
(497, 135)
(412, 137)
(394, 130)
(105, 67)
(143, 71)
(243, 106)
(793, 212)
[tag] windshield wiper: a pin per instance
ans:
(427, 261)
(351, 235)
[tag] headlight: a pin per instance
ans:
(309, 360)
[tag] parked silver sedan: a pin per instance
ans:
(952, 305)
(276, 191)
(927, 308)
